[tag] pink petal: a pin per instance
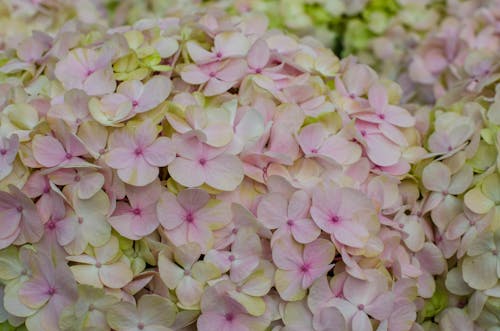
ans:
(186, 172)
(258, 55)
(272, 210)
(48, 151)
(119, 158)
(305, 231)
(381, 151)
(139, 174)
(192, 74)
(377, 96)
(160, 153)
(100, 82)
(224, 172)
(170, 213)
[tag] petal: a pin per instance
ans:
(361, 322)
(305, 231)
(160, 153)
(225, 172)
(189, 292)
(170, 213)
(156, 310)
(192, 74)
(122, 316)
(319, 253)
(156, 90)
(381, 151)
(272, 210)
(115, 275)
(288, 284)
(231, 44)
(119, 158)
(480, 272)
(186, 172)
(48, 151)
(170, 273)
(140, 174)
(86, 274)
(258, 55)
(436, 177)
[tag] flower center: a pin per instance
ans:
(289, 222)
(229, 317)
(381, 116)
(258, 70)
(314, 150)
(189, 218)
(136, 211)
(231, 258)
(495, 252)
(46, 189)
(212, 74)
(135, 103)
(361, 307)
(202, 161)
(80, 220)
(187, 272)
(3, 151)
(140, 326)
(219, 55)
(69, 156)
(51, 291)
(138, 151)
(98, 264)
(305, 268)
(77, 178)
(19, 209)
(334, 219)
(51, 225)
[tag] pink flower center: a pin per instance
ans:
(46, 189)
(231, 258)
(187, 272)
(314, 150)
(334, 219)
(289, 222)
(229, 317)
(51, 225)
(219, 55)
(202, 161)
(234, 231)
(78, 121)
(89, 72)
(51, 291)
(212, 74)
(258, 70)
(138, 151)
(189, 218)
(77, 178)
(140, 326)
(3, 151)
(494, 252)
(19, 209)
(305, 268)
(363, 133)
(98, 265)
(69, 156)
(352, 96)
(137, 211)
(361, 307)
(80, 220)
(135, 103)
(381, 116)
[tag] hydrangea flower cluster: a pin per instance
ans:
(202, 172)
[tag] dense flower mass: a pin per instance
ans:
(203, 171)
